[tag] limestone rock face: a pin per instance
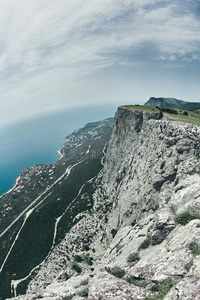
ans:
(144, 230)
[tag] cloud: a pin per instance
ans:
(75, 38)
(191, 58)
(47, 34)
(170, 58)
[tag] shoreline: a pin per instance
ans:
(11, 189)
(60, 153)
(55, 159)
(19, 177)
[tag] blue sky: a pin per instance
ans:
(62, 53)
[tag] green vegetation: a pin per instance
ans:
(83, 293)
(167, 199)
(133, 257)
(117, 272)
(190, 106)
(162, 165)
(78, 258)
(166, 102)
(133, 223)
(35, 240)
(160, 289)
(189, 265)
(195, 170)
(168, 110)
(76, 268)
(142, 107)
(145, 244)
(88, 260)
(137, 281)
(194, 247)
(86, 247)
(191, 117)
(198, 155)
(114, 232)
(185, 217)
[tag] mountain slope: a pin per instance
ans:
(46, 202)
(173, 103)
(192, 106)
(141, 239)
(165, 102)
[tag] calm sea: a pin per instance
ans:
(37, 140)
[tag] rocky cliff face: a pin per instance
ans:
(141, 240)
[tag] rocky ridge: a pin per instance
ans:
(141, 240)
(165, 102)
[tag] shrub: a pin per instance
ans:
(133, 223)
(168, 110)
(185, 217)
(145, 244)
(77, 268)
(88, 260)
(117, 272)
(133, 257)
(113, 232)
(189, 265)
(137, 281)
(78, 258)
(162, 165)
(86, 248)
(195, 171)
(167, 199)
(198, 155)
(83, 293)
(161, 289)
(194, 247)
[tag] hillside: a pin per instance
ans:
(165, 102)
(173, 103)
(192, 106)
(141, 238)
(46, 202)
(175, 114)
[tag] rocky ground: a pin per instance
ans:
(141, 239)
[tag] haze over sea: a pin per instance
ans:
(36, 141)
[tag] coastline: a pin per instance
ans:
(60, 153)
(12, 189)
(37, 141)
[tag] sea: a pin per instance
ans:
(37, 140)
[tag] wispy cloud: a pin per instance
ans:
(73, 38)
(41, 35)
(170, 58)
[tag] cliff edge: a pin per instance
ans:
(141, 240)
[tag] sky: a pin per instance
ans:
(56, 54)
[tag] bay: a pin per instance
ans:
(37, 140)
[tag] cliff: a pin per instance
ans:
(141, 239)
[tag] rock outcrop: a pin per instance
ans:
(142, 238)
(166, 102)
